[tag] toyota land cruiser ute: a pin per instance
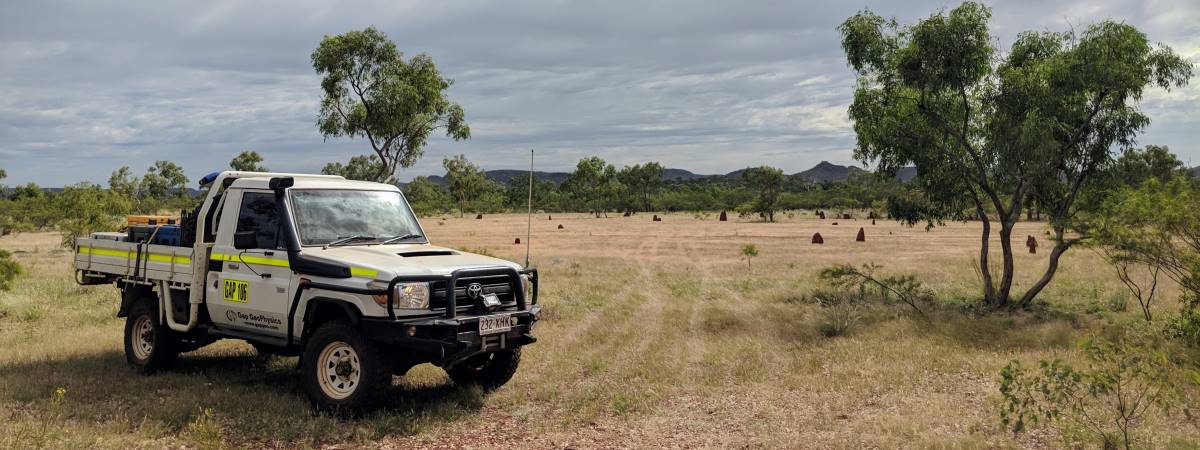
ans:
(337, 272)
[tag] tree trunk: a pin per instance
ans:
(1059, 248)
(989, 291)
(1006, 277)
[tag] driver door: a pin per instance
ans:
(251, 291)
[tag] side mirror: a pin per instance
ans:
(243, 240)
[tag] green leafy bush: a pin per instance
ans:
(1125, 381)
(840, 313)
(905, 288)
(9, 270)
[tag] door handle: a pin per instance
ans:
(234, 265)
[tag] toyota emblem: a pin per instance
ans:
(474, 290)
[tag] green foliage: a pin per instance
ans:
(840, 313)
(767, 183)
(466, 180)
(749, 251)
(123, 181)
(643, 181)
(1125, 381)
(371, 92)
(426, 197)
(546, 195)
(1153, 228)
(87, 208)
(985, 131)
(1185, 327)
(9, 270)
(1135, 167)
(248, 161)
(361, 168)
(595, 184)
(905, 288)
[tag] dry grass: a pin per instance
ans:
(656, 334)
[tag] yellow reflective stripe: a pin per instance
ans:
(248, 259)
(108, 252)
(167, 258)
(159, 257)
(363, 272)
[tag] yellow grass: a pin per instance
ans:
(655, 334)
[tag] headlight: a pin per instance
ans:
(527, 286)
(408, 295)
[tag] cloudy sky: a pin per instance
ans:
(89, 86)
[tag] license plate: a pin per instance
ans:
(493, 324)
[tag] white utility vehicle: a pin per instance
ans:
(337, 272)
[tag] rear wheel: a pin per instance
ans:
(341, 370)
(149, 346)
(489, 370)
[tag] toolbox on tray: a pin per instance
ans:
(140, 233)
(151, 220)
(155, 234)
(167, 235)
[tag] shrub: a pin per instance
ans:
(9, 270)
(91, 208)
(749, 251)
(1125, 380)
(905, 288)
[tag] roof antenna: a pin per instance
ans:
(529, 211)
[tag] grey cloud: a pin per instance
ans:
(705, 86)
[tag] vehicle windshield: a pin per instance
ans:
(350, 217)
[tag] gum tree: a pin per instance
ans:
(767, 183)
(643, 180)
(987, 131)
(466, 180)
(371, 92)
(248, 161)
(361, 168)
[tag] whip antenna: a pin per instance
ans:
(529, 211)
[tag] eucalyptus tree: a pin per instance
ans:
(248, 161)
(466, 180)
(361, 168)
(767, 183)
(643, 180)
(372, 92)
(988, 130)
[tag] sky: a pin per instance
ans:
(87, 87)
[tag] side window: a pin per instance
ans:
(258, 214)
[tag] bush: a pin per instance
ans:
(90, 208)
(840, 312)
(1126, 379)
(905, 288)
(9, 270)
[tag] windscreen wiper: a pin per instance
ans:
(349, 239)
(399, 238)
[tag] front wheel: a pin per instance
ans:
(149, 345)
(341, 370)
(489, 370)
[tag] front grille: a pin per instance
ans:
(501, 285)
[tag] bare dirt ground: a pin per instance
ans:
(656, 334)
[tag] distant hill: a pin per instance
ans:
(826, 171)
(823, 172)
(1195, 172)
(680, 175)
(503, 176)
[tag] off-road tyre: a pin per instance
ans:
(342, 372)
(149, 345)
(489, 370)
